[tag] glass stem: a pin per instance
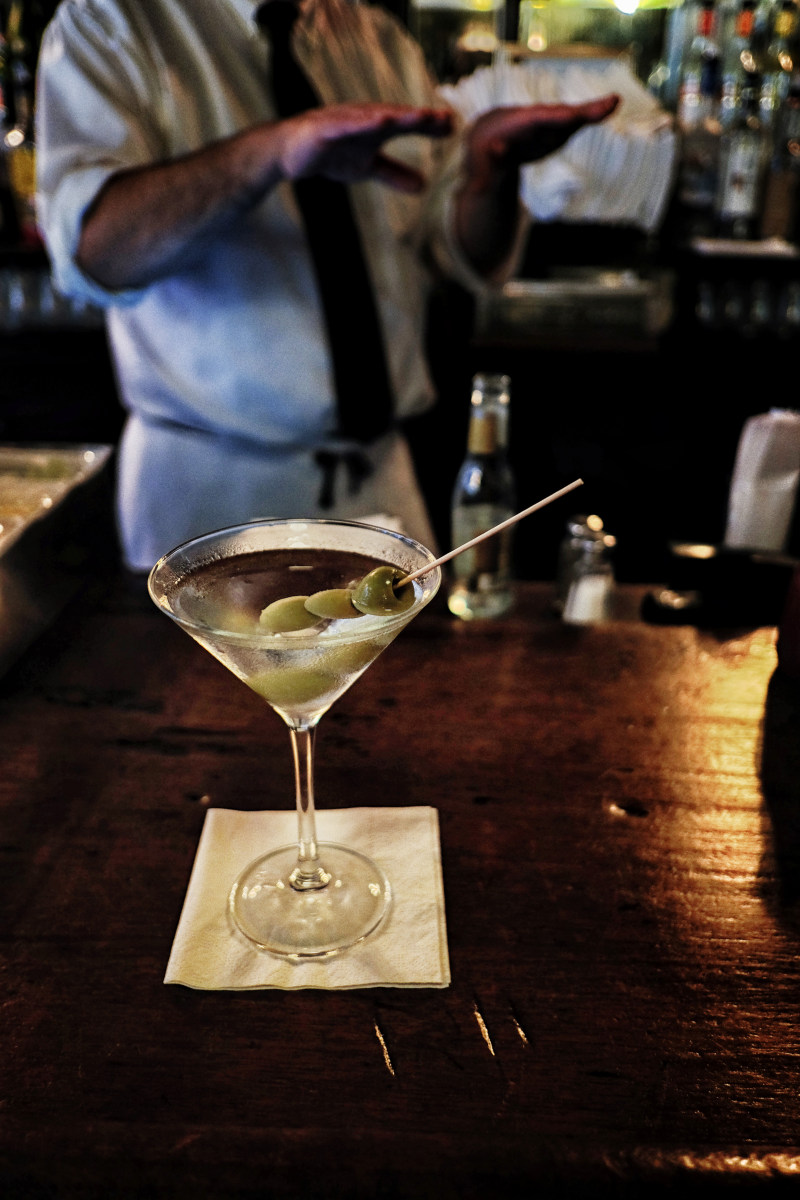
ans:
(309, 873)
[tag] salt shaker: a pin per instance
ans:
(590, 580)
(580, 530)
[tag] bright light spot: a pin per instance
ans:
(692, 550)
(627, 6)
(477, 40)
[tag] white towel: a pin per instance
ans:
(618, 172)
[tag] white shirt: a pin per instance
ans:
(233, 343)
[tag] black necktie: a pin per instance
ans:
(355, 339)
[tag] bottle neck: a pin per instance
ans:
(705, 22)
(744, 24)
(784, 26)
(750, 100)
(488, 425)
(487, 431)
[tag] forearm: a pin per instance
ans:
(145, 222)
(149, 220)
(498, 143)
(487, 220)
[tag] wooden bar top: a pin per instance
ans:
(620, 829)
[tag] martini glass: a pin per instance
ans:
(308, 899)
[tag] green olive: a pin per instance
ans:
(287, 616)
(287, 687)
(376, 594)
(335, 604)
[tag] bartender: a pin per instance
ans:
(177, 176)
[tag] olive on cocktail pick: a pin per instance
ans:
(378, 596)
(334, 604)
(288, 615)
(383, 592)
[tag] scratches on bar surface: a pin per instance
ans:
(484, 1030)
(386, 1057)
(482, 1027)
(522, 1034)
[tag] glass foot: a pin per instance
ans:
(310, 922)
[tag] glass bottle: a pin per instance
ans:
(700, 75)
(480, 583)
(738, 63)
(23, 34)
(698, 123)
(781, 192)
(744, 155)
(9, 223)
(778, 64)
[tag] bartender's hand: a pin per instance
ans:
(525, 133)
(499, 142)
(149, 221)
(343, 142)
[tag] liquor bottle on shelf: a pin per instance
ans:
(778, 63)
(480, 583)
(700, 77)
(25, 24)
(782, 188)
(744, 155)
(664, 80)
(9, 222)
(698, 123)
(738, 62)
(18, 137)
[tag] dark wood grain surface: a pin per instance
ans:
(620, 826)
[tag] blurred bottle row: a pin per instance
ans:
(29, 301)
(752, 308)
(731, 72)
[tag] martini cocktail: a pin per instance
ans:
(273, 601)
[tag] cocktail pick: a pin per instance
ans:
(526, 512)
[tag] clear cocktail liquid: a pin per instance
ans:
(300, 673)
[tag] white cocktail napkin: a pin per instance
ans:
(409, 948)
